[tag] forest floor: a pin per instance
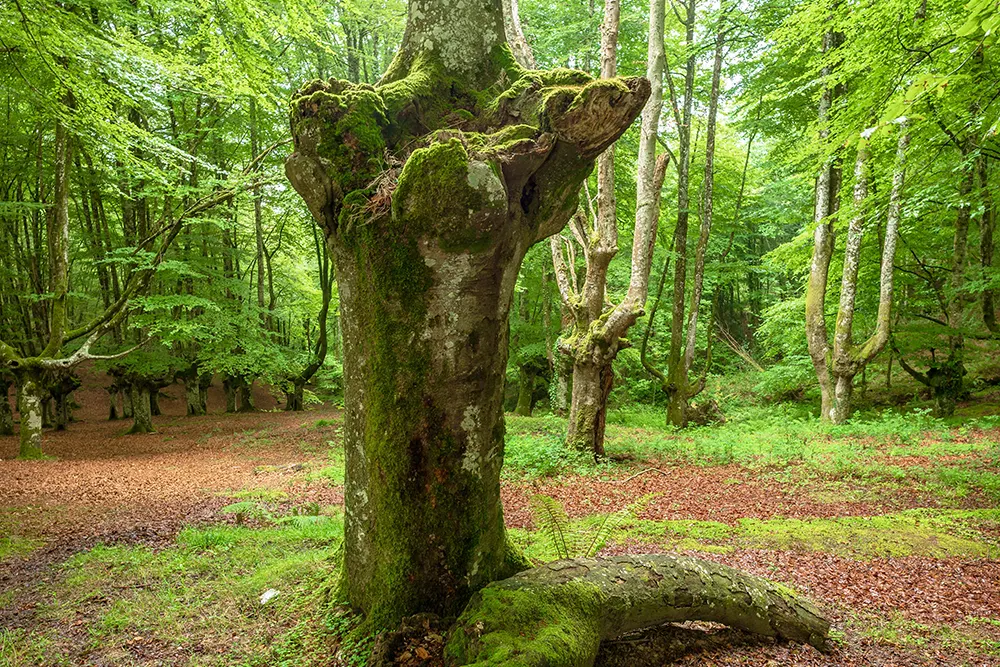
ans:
(155, 549)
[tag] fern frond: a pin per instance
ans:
(553, 522)
(611, 522)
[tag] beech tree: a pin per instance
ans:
(599, 327)
(431, 185)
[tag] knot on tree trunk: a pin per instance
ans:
(556, 615)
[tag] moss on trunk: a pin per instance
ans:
(29, 398)
(431, 186)
(141, 409)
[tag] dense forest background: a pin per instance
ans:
(145, 213)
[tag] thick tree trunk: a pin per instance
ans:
(29, 396)
(229, 387)
(525, 391)
(204, 383)
(6, 414)
(192, 396)
(127, 409)
(840, 411)
(141, 410)
(557, 615)
(426, 278)
(562, 393)
(592, 384)
(244, 397)
(294, 398)
(113, 393)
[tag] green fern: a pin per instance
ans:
(553, 522)
(580, 542)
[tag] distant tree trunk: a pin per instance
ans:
(29, 397)
(826, 205)
(113, 393)
(683, 394)
(141, 411)
(426, 279)
(229, 388)
(244, 396)
(127, 409)
(6, 414)
(294, 399)
(987, 225)
(525, 390)
(676, 375)
(598, 333)
(192, 393)
(204, 383)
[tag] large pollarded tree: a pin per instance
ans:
(431, 186)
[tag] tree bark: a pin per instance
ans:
(525, 390)
(141, 410)
(592, 384)
(826, 204)
(427, 256)
(6, 414)
(29, 397)
(676, 375)
(229, 388)
(557, 615)
(244, 396)
(598, 332)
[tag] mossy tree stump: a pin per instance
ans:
(431, 186)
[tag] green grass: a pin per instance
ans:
(198, 598)
(14, 546)
(932, 533)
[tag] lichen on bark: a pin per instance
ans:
(431, 186)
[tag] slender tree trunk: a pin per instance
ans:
(676, 374)
(141, 411)
(426, 286)
(244, 396)
(987, 225)
(826, 205)
(688, 390)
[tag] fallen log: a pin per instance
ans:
(557, 615)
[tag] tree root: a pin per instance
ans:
(557, 615)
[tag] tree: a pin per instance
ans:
(840, 365)
(431, 186)
(599, 328)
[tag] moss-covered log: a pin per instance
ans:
(556, 615)
(431, 186)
